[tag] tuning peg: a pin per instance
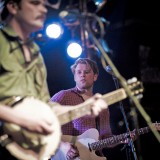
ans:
(132, 80)
(139, 96)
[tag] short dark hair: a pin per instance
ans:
(5, 13)
(86, 61)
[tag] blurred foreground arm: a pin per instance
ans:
(34, 123)
(96, 104)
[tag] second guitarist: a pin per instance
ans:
(85, 73)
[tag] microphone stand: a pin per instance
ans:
(131, 144)
(122, 80)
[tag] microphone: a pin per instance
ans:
(109, 70)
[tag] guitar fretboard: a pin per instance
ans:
(115, 139)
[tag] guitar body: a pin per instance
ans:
(81, 143)
(118, 139)
(90, 138)
(26, 145)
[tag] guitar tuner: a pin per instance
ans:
(136, 87)
(132, 80)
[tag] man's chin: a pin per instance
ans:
(37, 27)
(83, 88)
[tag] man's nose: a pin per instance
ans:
(83, 74)
(44, 9)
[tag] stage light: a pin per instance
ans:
(54, 30)
(74, 49)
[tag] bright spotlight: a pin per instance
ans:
(54, 30)
(74, 50)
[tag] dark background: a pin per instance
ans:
(133, 35)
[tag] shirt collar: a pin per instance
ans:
(10, 32)
(12, 36)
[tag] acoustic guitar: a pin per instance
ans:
(26, 145)
(87, 143)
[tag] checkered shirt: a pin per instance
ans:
(78, 126)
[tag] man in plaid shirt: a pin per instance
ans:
(85, 73)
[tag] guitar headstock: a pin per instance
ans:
(136, 87)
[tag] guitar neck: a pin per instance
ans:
(115, 139)
(85, 108)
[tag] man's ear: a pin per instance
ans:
(95, 77)
(12, 7)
